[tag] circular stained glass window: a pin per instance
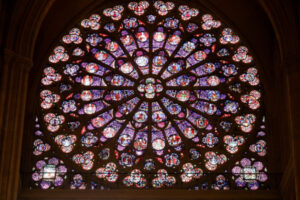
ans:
(150, 95)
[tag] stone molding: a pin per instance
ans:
(148, 195)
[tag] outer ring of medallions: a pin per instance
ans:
(156, 98)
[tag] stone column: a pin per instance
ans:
(291, 176)
(13, 87)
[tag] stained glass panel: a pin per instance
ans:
(150, 95)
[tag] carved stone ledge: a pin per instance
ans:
(148, 195)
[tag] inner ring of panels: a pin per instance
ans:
(150, 94)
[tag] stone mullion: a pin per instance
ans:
(13, 110)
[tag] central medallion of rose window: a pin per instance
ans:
(150, 88)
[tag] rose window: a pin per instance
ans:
(150, 95)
